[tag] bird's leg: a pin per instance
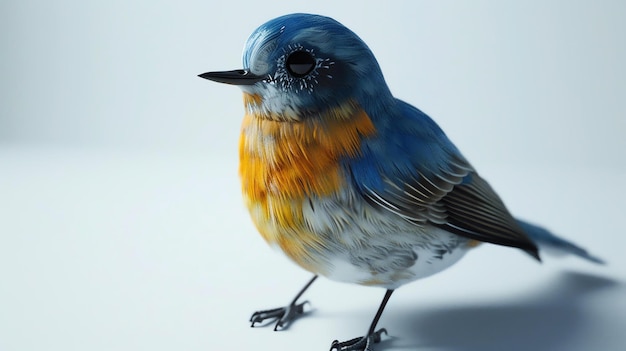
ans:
(283, 315)
(365, 343)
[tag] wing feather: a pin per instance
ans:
(457, 200)
(411, 169)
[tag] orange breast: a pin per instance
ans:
(283, 163)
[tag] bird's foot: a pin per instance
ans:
(282, 315)
(358, 344)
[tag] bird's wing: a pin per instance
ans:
(432, 183)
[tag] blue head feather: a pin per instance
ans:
(345, 68)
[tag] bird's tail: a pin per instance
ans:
(553, 244)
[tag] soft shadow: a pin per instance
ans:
(547, 321)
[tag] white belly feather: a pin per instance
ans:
(370, 246)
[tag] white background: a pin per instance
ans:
(121, 224)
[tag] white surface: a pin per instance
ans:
(112, 250)
(121, 225)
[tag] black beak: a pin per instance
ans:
(236, 77)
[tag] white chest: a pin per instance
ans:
(375, 247)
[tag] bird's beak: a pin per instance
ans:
(236, 77)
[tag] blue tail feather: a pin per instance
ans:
(550, 242)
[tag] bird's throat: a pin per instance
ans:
(299, 158)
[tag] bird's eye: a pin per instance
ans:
(300, 63)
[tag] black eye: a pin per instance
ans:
(300, 63)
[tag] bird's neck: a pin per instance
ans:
(298, 159)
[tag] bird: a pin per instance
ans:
(349, 182)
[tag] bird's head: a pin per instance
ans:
(299, 65)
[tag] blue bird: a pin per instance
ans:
(349, 182)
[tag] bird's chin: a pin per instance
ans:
(249, 89)
(270, 103)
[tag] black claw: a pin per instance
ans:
(282, 315)
(267, 316)
(358, 344)
(377, 335)
(260, 316)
